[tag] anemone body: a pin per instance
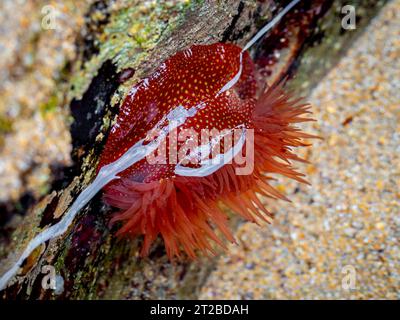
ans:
(215, 87)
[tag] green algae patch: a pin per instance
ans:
(132, 30)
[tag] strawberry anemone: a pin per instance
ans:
(215, 86)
